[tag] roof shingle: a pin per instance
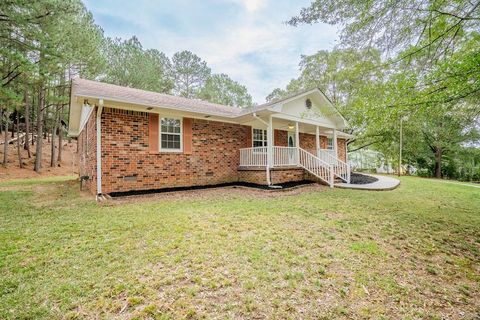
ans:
(89, 88)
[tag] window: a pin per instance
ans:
(308, 104)
(330, 143)
(170, 134)
(259, 138)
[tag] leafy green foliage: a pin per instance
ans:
(46, 43)
(431, 52)
(351, 80)
(219, 88)
(190, 74)
(128, 64)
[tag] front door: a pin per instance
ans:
(291, 139)
(292, 153)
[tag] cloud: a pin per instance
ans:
(253, 5)
(245, 39)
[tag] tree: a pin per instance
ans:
(40, 41)
(350, 80)
(46, 43)
(219, 88)
(431, 67)
(190, 74)
(427, 32)
(128, 64)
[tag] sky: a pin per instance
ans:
(246, 39)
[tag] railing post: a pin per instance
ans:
(297, 141)
(331, 176)
(270, 158)
(348, 173)
(335, 146)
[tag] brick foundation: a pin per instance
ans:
(277, 175)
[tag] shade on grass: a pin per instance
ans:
(408, 253)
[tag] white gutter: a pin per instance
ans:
(99, 148)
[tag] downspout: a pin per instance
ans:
(267, 168)
(99, 150)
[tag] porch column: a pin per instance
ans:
(335, 148)
(317, 140)
(297, 141)
(270, 142)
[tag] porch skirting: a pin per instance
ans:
(278, 175)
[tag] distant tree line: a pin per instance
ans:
(46, 43)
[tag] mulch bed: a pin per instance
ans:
(281, 186)
(357, 178)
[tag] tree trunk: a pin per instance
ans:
(18, 141)
(53, 158)
(60, 137)
(438, 162)
(5, 146)
(40, 106)
(26, 146)
(59, 125)
(1, 120)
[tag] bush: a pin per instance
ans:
(423, 172)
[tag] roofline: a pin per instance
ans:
(290, 97)
(305, 92)
(156, 105)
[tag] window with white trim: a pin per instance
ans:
(330, 143)
(259, 138)
(170, 134)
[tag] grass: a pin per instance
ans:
(411, 253)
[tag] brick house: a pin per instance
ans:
(134, 140)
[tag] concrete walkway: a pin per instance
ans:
(383, 183)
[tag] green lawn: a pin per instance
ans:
(411, 253)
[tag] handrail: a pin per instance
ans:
(316, 166)
(285, 156)
(340, 168)
(253, 157)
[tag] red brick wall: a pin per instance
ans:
(307, 142)
(342, 149)
(323, 142)
(277, 176)
(87, 148)
(252, 176)
(127, 164)
(286, 175)
(280, 138)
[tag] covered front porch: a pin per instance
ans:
(280, 141)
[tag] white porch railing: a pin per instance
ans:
(285, 156)
(288, 156)
(253, 157)
(316, 166)
(326, 155)
(340, 168)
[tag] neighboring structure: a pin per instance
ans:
(131, 139)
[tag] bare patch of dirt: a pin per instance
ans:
(12, 170)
